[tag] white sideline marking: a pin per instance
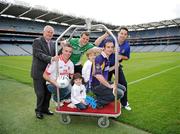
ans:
(152, 75)
(14, 67)
(130, 83)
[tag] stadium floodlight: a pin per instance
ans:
(39, 20)
(52, 22)
(9, 16)
(25, 18)
(64, 24)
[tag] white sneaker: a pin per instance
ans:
(127, 107)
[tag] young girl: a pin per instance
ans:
(78, 92)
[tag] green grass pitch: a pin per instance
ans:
(153, 92)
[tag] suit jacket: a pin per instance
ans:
(41, 57)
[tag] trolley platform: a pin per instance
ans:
(104, 113)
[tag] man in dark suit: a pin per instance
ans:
(43, 52)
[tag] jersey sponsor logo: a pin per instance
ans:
(98, 69)
(106, 68)
(63, 74)
(77, 52)
(98, 66)
(103, 65)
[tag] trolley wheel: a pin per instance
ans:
(65, 119)
(103, 122)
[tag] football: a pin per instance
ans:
(63, 81)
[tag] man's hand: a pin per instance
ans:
(114, 88)
(120, 57)
(83, 101)
(55, 58)
(112, 68)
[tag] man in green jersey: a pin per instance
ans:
(80, 46)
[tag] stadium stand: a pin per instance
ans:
(2, 53)
(21, 24)
(138, 48)
(178, 49)
(158, 48)
(170, 48)
(12, 50)
(27, 48)
(164, 39)
(147, 48)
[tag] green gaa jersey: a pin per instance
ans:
(78, 50)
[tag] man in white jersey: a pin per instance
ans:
(65, 68)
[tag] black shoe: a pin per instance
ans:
(48, 112)
(39, 115)
(99, 106)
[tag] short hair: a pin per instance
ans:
(90, 51)
(86, 33)
(48, 27)
(108, 40)
(68, 45)
(77, 76)
(62, 39)
(65, 45)
(124, 28)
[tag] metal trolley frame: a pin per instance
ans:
(103, 120)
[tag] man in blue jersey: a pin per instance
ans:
(100, 85)
(124, 54)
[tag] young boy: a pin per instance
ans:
(88, 68)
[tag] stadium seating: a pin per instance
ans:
(160, 38)
(170, 48)
(147, 48)
(13, 49)
(2, 53)
(17, 36)
(27, 48)
(158, 48)
(178, 49)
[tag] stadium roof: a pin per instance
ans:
(22, 10)
(154, 25)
